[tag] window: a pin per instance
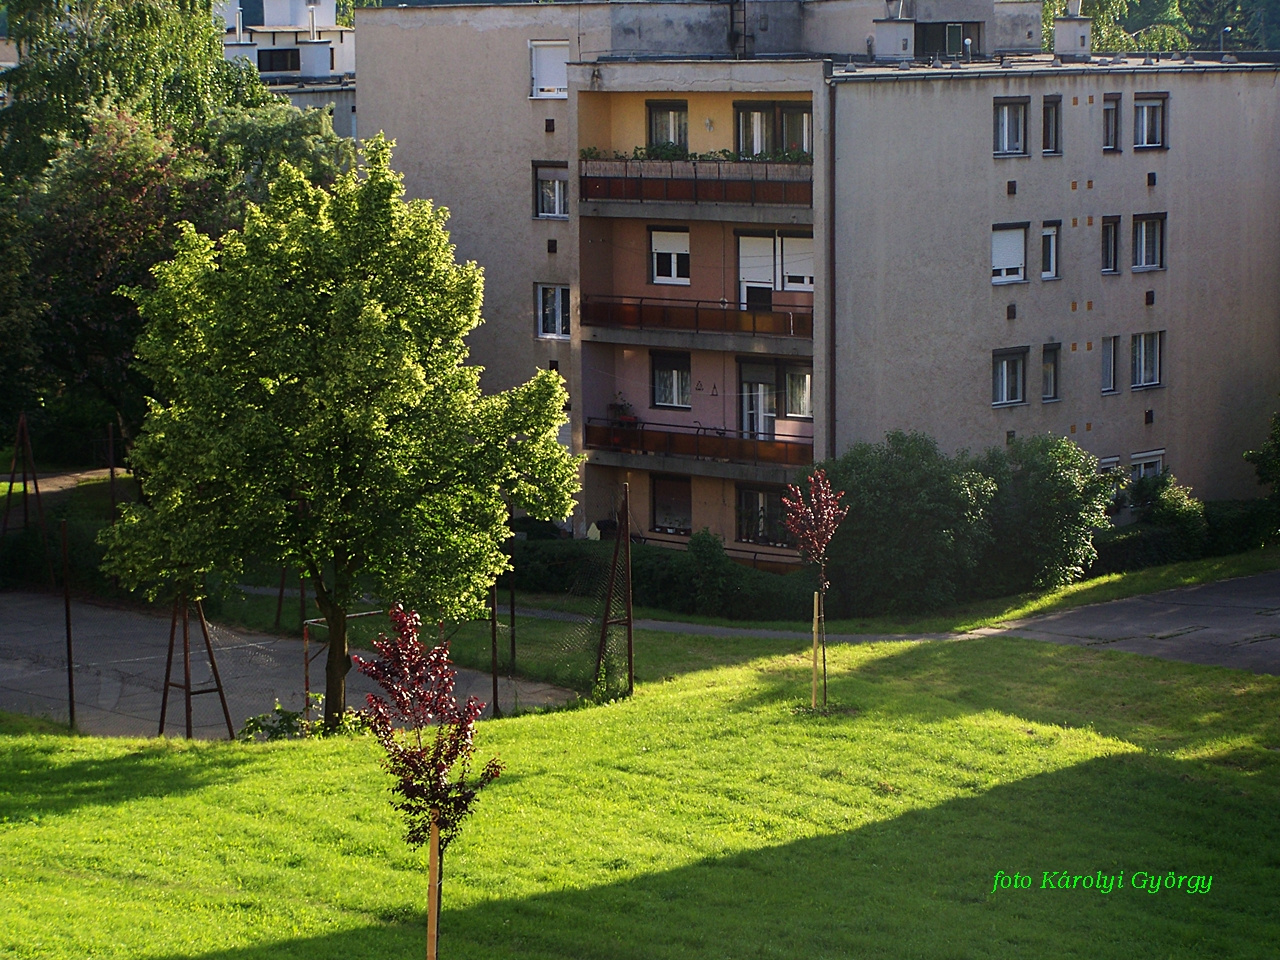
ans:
(1010, 128)
(669, 256)
(669, 123)
(1149, 463)
(1111, 122)
(1049, 371)
(1009, 376)
(1148, 241)
(773, 127)
(1110, 347)
(1146, 359)
(797, 263)
(670, 380)
(799, 393)
(1051, 125)
(1008, 253)
(275, 61)
(672, 505)
(1110, 244)
(759, 395)
(553, 311)
(1049, 250)
(552, 186)
(549, 69)
(1108, 464)
(1148, 123)
(760, 517)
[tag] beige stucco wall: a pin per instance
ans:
(917, 314)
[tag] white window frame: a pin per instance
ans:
(558, 315)
(1051, 126)
(1146, 114)
(666, 247)
(1148, 463)
(559, 177)
(541, 85)
(1111, 123)
(797, 263)
(805, 377)
(1005, 267)
(1009, 129)
(674, 116)
(1146, 228)
(1110, 353)
(1146, 351)
(1009, 377)
(1050, 372)
(1108, 464)
(1049, 237)
(1111, 250)
(670, 381)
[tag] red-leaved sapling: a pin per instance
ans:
(429, 742)
(813, 523)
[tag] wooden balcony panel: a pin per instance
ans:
(710, 191)
(738, 191)
(799, 194)
(685, 190)
(696, 316)
(700, 443)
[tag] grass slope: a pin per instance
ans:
(711, 816)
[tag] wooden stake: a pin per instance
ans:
(433, 888)
(813, 702)
(493, 639)
(626, 527)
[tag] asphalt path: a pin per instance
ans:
(119, 672)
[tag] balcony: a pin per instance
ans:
(696, 316)
(741, 184)
(700, 443)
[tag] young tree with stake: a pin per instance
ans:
(813, 523)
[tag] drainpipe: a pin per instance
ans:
(832, 87)
(311, 20)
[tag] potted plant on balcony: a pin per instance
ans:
(621, 413)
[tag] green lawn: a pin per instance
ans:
(711, 816)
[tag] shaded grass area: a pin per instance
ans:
(981, 613)
(710, 816)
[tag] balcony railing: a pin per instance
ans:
(703, 443)
(700, 316)
(698, 181)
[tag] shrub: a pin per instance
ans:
(1162, 502)
(1049, 499)
(915, 529)
(1235, 526)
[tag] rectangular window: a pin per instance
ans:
(1009, 376)
(277, 61)
(760, 517)
(773, 127)
(800, 393)
(672, 505)
(1009, 128)
(553, 312)
(548, 60)
(1110, 244)
(1049, 371)
(1149, 463)
(1148, 241)
(668, 123)
(669, 256)
(1110, 348)
(755, 130)
(758, 384)
(1051, 125)
(1148, 123)
(797, 128)
(1008, 253)
(797, 263)
(1146, 359)
(671, 380)
(552, 191)
(1111, 122)
(1049, 250)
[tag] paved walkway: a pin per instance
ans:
(1230, 623)
(120, 662)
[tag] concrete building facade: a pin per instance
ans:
(751, 234)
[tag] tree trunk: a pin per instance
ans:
(336, 667)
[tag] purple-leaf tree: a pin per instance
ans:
(813, 522)
(429, 738)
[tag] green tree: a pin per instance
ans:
(1266, 459)
(162, 59)
(1108, 22)
(100, 216)
(314, 407)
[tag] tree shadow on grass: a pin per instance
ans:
(918, 885)
(35, 782)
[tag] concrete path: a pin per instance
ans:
(120, 664)
(1230, 623)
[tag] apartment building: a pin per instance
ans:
(751, 234)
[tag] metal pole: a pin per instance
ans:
(66, 599)
(186, 661)
(168, 668)
(306, 670)
(213, 667)
(493, 638)
(631, 649)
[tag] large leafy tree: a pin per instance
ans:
(160, 58)
(314, 407)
